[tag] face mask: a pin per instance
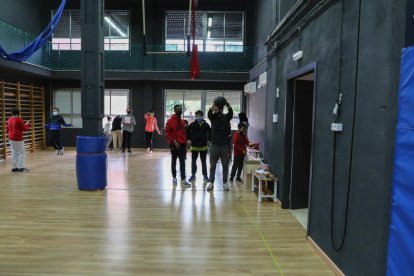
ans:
(199, 119)
(178, 113)
(128, 112)
(55, 113)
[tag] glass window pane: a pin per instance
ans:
(176, 24)
(214, 46)
(234, 26)
(119, 101)
(234, 98)
(77, 121)
(192, 103)
(77, 106)
(107, 102)
(121, 23)
(118, 44)
(63, 101)
(174, 45)
(61, 43)
(63, 28)
(234, 46)
(75, 24)
(117, 23)
(210, 96)
(215, 25)
(172, 97)
(76, 44)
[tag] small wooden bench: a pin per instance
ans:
(263, 190)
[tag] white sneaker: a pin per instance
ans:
(174, 181)
(210, 186)
(185, 183)
(61, 151)
(226, 186)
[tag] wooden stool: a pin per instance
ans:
(263, 190)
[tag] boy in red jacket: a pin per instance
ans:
(240, 143)
(15, 128)
(177, 139)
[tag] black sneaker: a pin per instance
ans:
(239, 179)
(129, 151)
(23, 170)
(15, 170)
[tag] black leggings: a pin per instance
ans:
(237, 166)
(194, 156)
(148, 139)
(55, 139)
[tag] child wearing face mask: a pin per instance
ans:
(177, 139)
(55, 126)
(240, 143)
(199, 136)
(150, 127)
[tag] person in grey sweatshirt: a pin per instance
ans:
(128, 123)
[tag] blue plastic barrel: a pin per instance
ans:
(91, 162)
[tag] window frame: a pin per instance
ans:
(72, 114)
(110, 99)
(202, 48)
(107, 46)
(204, 104)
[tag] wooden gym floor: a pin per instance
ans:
(141, 225)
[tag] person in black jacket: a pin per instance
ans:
(220, 146)
(55, 125)
(117, 132)
(199, 135)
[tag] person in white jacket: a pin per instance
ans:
(107, 132)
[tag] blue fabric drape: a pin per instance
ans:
(400, 260)
(24, 53)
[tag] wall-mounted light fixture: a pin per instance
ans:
(298, 55)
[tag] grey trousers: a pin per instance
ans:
(223, 153)
(18, 154)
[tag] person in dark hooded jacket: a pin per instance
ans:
(199, 136)
(55, 125)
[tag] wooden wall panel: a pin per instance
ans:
(31, 101)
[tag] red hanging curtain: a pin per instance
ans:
(195, 66)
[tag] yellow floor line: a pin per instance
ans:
(261, 234)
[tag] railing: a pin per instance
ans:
(157, 58)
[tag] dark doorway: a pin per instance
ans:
(300, 106)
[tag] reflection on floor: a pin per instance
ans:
(141, 224)
(302, 216)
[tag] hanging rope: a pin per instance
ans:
(195, 66)
(27, 52)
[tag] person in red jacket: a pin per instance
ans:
(15, 128)
(177, 139)
(240, 143)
